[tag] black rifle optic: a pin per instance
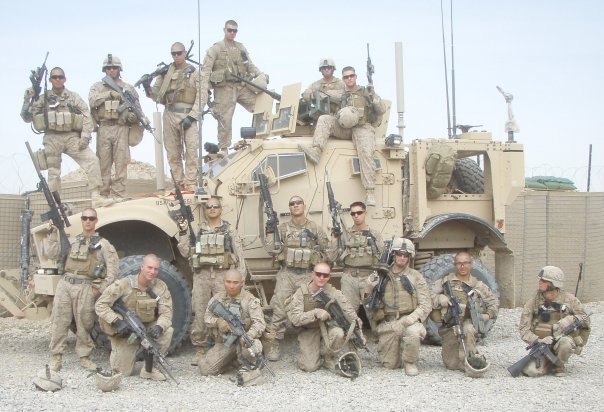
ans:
(183, 214)
(272, 220)
(57, 213)
(238, 332)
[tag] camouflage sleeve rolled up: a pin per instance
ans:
(251, 67)
(184, 246)
(52, 247)
(424, 299)
(164, 308)
(295, 310)
(159, 80)
(111, 260)
(489, 299)
(258, 323)
(238, 251)
(525, 325)
(98, 94)
(307, 94)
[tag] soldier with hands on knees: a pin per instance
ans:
(544, 319)
(91, 266)
(218, 248)
(404, 304)
(328, 86)
(246, 308)
(147, 296)
(177, 90)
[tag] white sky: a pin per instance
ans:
(547, 53)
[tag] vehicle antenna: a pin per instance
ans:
(442, 24)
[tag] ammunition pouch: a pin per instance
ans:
(40, 159)
(218, 78)
(299, 258)
(145, 309)
(59, 122)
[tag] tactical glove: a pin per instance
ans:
(321, 314)
(187, 122)
(121, 328)
(562, 324)
(115, 95)
(132, 119)
(548, 340)
(444, 301)
(154, 331)
(223, 326)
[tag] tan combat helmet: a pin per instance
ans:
(552, 274)
(327, 62)
(112, 61)
(48, 380)
(348, 117)
(107, 381)
(405, 245)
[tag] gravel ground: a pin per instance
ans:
(24, 352)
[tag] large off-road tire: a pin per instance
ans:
(468, 177)
(441, 265)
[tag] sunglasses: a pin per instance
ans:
(349, 76)
(89, 218)
(296, 202)
(177, 53)
(232, 30)
(463, 263)
(213, 206)
(357, 213)
(401, 253)
(322, 275)
(57, 77)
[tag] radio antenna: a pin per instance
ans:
(442, 24)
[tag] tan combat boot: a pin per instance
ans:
(271, 348)
(100, 201)
(86, 363)
(56, 362)
(198, 355)
(154, 375)
(411, 369)
(559, 371)
(370, 200)
(312, 153)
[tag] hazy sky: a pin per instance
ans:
(547, 53)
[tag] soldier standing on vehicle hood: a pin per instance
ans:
(177, 91)
(113, 128)
(328, 85)
(225, 57)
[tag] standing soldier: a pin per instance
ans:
(305, 244)
(177, 91)
(246, 307)
(362, 252)
(404, 304)
(66, 122)
(218, 248)
(318, 335)
(361, 112)
(113, 128)
(147, 296)
(91, 266)
(463, 286)
(329, 85)
(544, 318)
(223, 58)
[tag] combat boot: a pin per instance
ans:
(272, 351)
(312, 153)
(411, 369)
(56, 362)
(370, 200)
(100, 201)
(560, 371)
(198, 355)
(148, 371)
(224, 152)
(86, 363)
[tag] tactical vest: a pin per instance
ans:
(397, 299)
(143, 304)
(214, 248)
(229, 59)
(82, 258)
(60, 116)
(180, 89)
(361, 102)
(299, 246)
(359, 252)
(236, 308)
(460, 290)
(108, 110)
(546, 315)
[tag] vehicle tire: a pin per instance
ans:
(441, 265)
(468, 177)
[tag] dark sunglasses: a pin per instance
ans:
(177, 53)
(57, 77)
(213, 206)
(357, 213)
(349, 76)
(89, 218)
(296, 202)
(232, 30)
(401, 253)
(322, 275)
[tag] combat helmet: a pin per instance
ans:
(112, 61)
(48, 380)
(348, 117)
(327, 62)
(405, 245)
(552, 274)
(107, 381)
(476, 365)
(349, 365)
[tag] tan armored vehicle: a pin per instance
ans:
(429, 190)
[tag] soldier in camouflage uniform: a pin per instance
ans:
(218, 248)
(113, 128)
(319, 338)
(404, 304)
(150, 299)
(463, 286)
(546, 315)
(67, 125)
(91, 266)
(247, 308)
(177, 91)
(305, 244)
(360, 114)
(328, 85)
(225, 57)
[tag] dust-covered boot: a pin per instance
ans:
(149, 372)
(56, 362)
(100, 201)
(312, 153)
(559, 371)
(87, 363)
(200, 352)
(411, 369)
(270, 345)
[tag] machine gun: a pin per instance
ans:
(162, 68)
(373, 302)
(336, 313)
(271, 93)
(370, 69)
(272, 220)
(139, 331)
(183, 214)
(539, 349)
(57, 213)
(334, 209)
(237, 331)
(36, 77)
(26, 218)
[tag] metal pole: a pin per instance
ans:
(160, 176)
(589, 169)
(400, 87)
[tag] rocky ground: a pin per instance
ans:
(24, 352)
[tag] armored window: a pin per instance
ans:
(283, 165)
(356, 166)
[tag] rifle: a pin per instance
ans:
(455, 317)
(334, 209)
(370, 68)
(480, 325)
(139, 331)
(272, 220)
(579, 278)
(162, 68)
(26, 218)
(373, 302)
(237, 331)
(57, 213)
(271, 93)
(539, 349)
(335, 311)
(184, 213)
(36, 77)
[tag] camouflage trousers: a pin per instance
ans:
(314, 352)
(225, 99)
(123, 354)
(563, 348)
(363, 138)
(112, 149)
(393, 350)
(55, 144)
(179, 147)
(72, 301)
(206, 283)
(353, 284)
(220, 357)
(452, 352)
(288, 281)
